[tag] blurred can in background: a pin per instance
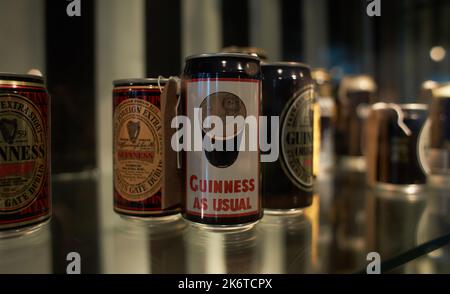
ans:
(138, 149)
(289, 92)
(356, 94)
(327, 117)
(25, 183)
(394, 133)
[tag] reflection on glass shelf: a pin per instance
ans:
(30, 253)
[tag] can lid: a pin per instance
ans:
(6, 76)
(223, 55)
(139, 81)
(286, 64)
(255, 51)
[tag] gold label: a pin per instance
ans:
(137, 149)
(23, 152)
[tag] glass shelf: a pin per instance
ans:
(346, 222)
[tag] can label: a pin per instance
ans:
(297, 139)
(222, 184)
(138, 153)
(23, 153)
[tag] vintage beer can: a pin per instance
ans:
(439, 152)
(394, 141)
(289, 93)
(222, 185)
(25, 184)
(356, 94)
(138, 149)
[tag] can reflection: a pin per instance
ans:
(434, 223)
(29, 253)
(393, 218)
(154, 246)
(214, 252)
(286, 244)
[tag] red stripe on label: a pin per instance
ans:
(16, 169)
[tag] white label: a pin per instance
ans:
(218, 185)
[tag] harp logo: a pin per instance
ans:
(8, 129)
(134, 127)
(374, 8)
(74, 8)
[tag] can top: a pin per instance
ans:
(286, 64)
(223, 55)
(27, 78)
(255, 51)
(139, 82)
(442, 91)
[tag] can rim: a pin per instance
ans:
(139, 81)
(223, 54)
(9, 76)
(286, 64)
(414, 106)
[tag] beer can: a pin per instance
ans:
(439, 152)
(355, 96)
(222, 184)
(394, 142)
(289, 93)
(138, 149)
(25, 184)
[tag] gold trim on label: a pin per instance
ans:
(149, 87)
(21, 83)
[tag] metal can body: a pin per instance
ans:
(288, 92)
(25, 189)
(222, 186)
(398, 159)
(138, 149)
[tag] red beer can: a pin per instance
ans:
(138, 150)
(25, 189)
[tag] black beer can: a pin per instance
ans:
(356, 94)
(395, 135)
(289, 93)
(439, 149)
(222, 185)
